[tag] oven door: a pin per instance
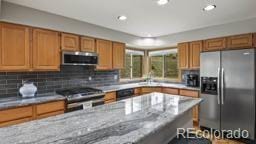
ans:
(84, 105)
(79, 58)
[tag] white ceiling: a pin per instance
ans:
(145, 16)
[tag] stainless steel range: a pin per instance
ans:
(82, 97)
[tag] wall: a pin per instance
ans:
(28, 16)
(24, 15)
(69, 76)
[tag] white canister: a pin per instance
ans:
(28, 90)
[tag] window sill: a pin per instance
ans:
(131, 80)
(167, 80)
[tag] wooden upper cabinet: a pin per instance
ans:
(183, 52)
(46, 50)
(69, 42)
(215, 44)
(118, 55)
(104, 50)
(240, 41)
(87, 44)
(14, 47)
(194, 58)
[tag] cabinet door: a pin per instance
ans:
(87, 44)
(14, 47)
(146, 90)
(214, 44)
(183, 52)
(118, 55)
(173, 91)
(110, 96)
(194, 58)
(50, 109)
(240, 41)
(194, 94)
(46, 50)
(15, 115)
(69, 42)
(104, 50)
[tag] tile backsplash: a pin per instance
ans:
(46, 82)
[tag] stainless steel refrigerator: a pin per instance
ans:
(228, 89)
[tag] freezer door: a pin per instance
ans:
(238, 100)
(209, 64)
(209, 115)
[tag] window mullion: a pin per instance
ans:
(131, 68)
(163, 65)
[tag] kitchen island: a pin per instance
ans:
(151, 118)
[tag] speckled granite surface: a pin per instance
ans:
(10, 102)
(123, 122)
(144, 84)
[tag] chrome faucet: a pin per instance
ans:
(149, 79)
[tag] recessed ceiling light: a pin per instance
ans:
(122, 18)
(162, 2)
(209, 7)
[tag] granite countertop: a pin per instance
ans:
(11, 102)
(122, 122)
(145, 84)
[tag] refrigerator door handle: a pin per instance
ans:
(218, 87)
(222, 86)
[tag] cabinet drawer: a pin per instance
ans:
(190, 93)
(42, 109)
(150, 90)
(50, 114)
(240, 41)
(170, 91)
(214, 44)
(110, 96)
(109, 101)
(137, 91)
(16, 114)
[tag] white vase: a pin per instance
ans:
(28, 90)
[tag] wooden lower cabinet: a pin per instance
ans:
(50, 109)
(146, 90)
(18, 115)
(137, 91)
(110, 97)
(194, 94)
(173, 91)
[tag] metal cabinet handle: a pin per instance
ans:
(222, 86)
(218, 87)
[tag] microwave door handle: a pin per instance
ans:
(222, 86)
(218, 87)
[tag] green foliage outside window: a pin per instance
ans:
(133, 63)
(165, 66)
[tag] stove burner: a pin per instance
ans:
(78, 92)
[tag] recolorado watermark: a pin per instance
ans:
(193, 133)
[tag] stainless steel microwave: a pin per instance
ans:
(79, 58)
